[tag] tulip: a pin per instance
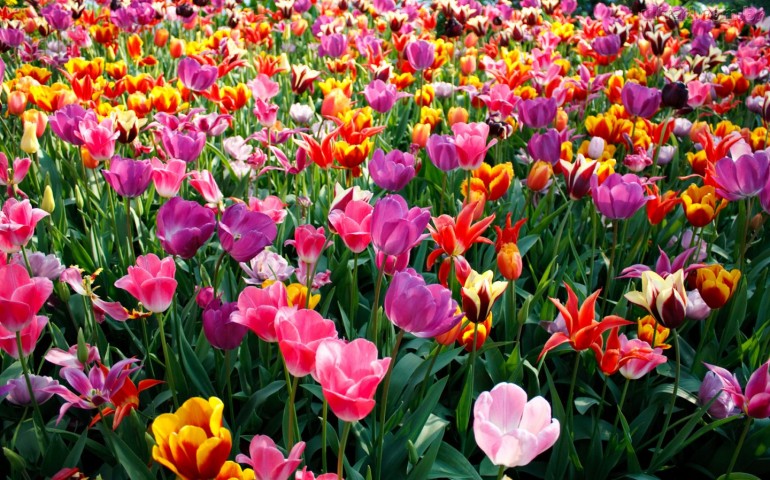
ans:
(545, 146)
(716, 285)
(479, 294)
(758, 393)
(301, 114)
(471, 144)
(30, 334)
(665, 299)
(443, 152)
(17, 224)
(85, 286)
(701, 204)
(539, 177)
(98, 138)
(619, 196)
(577, 176)
(244, 233)
(18, 393)
(21, 297)
(607, 45)
(29, 143)
(392, 171)
(203, 182)
(218, 325)
(674, 95)
(309, 242)
(183, 146)
(538, 112)
(151, 281)
(420, 54)
(720, 383)
(742, 178)
(268, 462)
(697, 309)
(64, 123)
(184, 226)
(640, 101)
(349, 374)
(353, 224)
(395, 227)
(300, 332)
(129, 178)
(257, 309)
(40, 264)
(642, 358)
(420, 309)
(510, 430)
(266, 113)
(508, 255)
(168, 177)
(267, 265)
(271, 206)
(342, 196)
(192, 442)
(12, 174)
(381, 96)
(194, 76)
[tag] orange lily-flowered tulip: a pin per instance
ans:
(454, 238)
(582, 328)
(124, 400)
(322, 154)
(508, 255)
(192, 442)
(658, 206)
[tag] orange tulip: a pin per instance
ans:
(701, 204)
(539, 175)
(650, 331)
(161, 37)
(457, 115)
(716, 285)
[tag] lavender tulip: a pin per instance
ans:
(422, 310)
(719, 382)
(395, 227)
(607, 46)
(185, 146)
(243, 233)
(639, 100)
(443, 152)
(545, 146)
(420, 54)
(184, 226)
(538, 112)
(392, 171)
(129, 178)
(18, 393)
(619, 196)
(195, 76)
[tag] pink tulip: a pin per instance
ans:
(203, 182)
(21, 297)
(263, 88)
(500, 99)
(510, 430)
(257, 308)
(471, 143)
(308, 475)
(268, 462)
(343, 196)
(699, 93)
(758, 393)
(271, 206)
(381, 96)
(151, 282)
(17, 224)
(353, 224)
(168, 177)
(98, 137)
(69, 358)
(29, 337)
(349, 374)
(12, 174)
(195, 76)
(300, 332)
(310, 242)
(266, 112)
(644, 358)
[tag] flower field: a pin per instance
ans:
(379, 239)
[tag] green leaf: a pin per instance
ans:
(195, 371)
(452, 464)
(738, 476)
(17, 461)
(424, 466)
(135, 468)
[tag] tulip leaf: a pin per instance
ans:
(423, 468)
(582, 404)
(195, 371)
(17, 462)
(136, 469)
(738, 476)
(450, 463)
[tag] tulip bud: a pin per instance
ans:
(176, 47)
(457, 115)
(82, 348)
(79, 198)
(161, 37)
(29, 143)
(756, 222)
(420, 134)
(539, 176)
(17, 102)
(468, 64)
(675, 95)
(48, 204)
(596, 148)
(509, 261)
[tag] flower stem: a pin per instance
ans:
(129, 242)
(425, 380)
(166, 357)
(610, 266)
(354, 293)
(376, 309)
(672, 403)
(323, 434)
(41, 431)
(214, 282)
(384, 402)
(571, 394)
(292, 413)
(341, 453)
(620, 404)
(500, 472)
(26, 261)
(228, 374)
(738, 447)
(511, 319)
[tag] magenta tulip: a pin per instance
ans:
(185, 146)
(243, 233)
(758, 393)
(309, 242)
(395, 227)
(184, 226)
(129, 178)
(392, 171)
(742, 178)
(21, 297)
(538, 112)
(442, 151)
(619, 196)
(639, 100)
(719, 382)
(65, 122)
(381, 96)
(194, 76)
(218, 325)
(545, 146)
(151, 282)
(420, 54)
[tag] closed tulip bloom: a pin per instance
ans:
(392, 171)
(151, 282)
(665, 299)
(758, 393)
(539, 177)
(420, 54)
(545, 146)
(697, 309)
(674, 95)
(64, 123)
(29, 143)
(719, 382)
(204, 183)
(701, 204)
(309, 242)
(333, 45)
(479, 294)
(219, 328)
(195, 76)
(30, 334)
(21, 297)
(639, 100)
(716, 285)
(509, 261)
(243, 233)
(381, 96)
(353, 224)
(643, 358)
(17, 224)
(192, 442)
(538, 112)
(607, 46)
(18, 393)
(577, 176)
(98, 138)
(185, 146)
(742, 178)
(471, 143)
(420, 309)
(257, 308)
(619, 196)
(395, 227)
(267, 460)
(510, 430)
(184, 226)
(168, 177)
(443, 152)
(349, 374)
(300, 332)
(129, 178)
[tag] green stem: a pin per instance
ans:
(425, 380)
(384, 403)
(671, 403)
(500, 472)
(26, 261)
(738, 447)
(214, 282)
(147, 347)
(341, 453)
(571, 394)
(228, 374)
(42, 434)
(376, 308)
(511, 319)
(610, 266)
(129, 242)
(620, 404)
(354, 293)
(292, 410)
(323, 434)
(166, 357)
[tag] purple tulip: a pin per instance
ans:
(619, 196)
(422, 310)
(443, 152)
(65, 121)
(243, 233)
(742, 178)
(18, 392)
(395, 227)
(57, 17)
(719, 381)
(545, 146)
(195, 76)
(129, 178)
(10, 38)
(183, 146)
(333, 45)
(758, 393)
(538, 112)
(420, 54)
(2, 70)
(392, 171)
(607, 46)
(184, 226)
(381, 96)
(752, 15)
(220, 330)
(639, 100)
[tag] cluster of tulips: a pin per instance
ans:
(338, 235)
